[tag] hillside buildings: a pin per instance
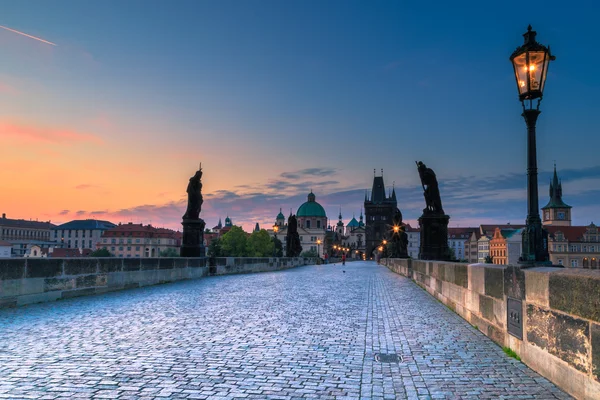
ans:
(80, 234)
(139, 241)
(22, 234)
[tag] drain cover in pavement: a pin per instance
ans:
(388, 358)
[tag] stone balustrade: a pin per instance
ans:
(34, 280)
(559, 313)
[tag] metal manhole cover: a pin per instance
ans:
(388, 358)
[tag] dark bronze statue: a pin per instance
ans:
(293, 246)
(194, 191)
(431, 190)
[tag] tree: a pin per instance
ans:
(489, 259)
(451, 254)
(259, 244)
(170, 252)
(215, 248)
(101, 253)
(310, 253)
(278, 247)
(233, 243)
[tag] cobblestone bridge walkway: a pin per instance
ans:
(310, 332)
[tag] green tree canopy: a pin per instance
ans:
(170, 252)
(309, 253)
(215, 248)
(101, 253)
(278, 247)
(233, 243)
(259, 244)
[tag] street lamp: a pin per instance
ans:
(318, 251)
(275, 230)
(530, 62)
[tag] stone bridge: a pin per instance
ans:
(326, 332)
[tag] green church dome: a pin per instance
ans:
(311, 208)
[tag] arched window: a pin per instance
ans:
(586, 262)
(594, 263)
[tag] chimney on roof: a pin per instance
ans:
(3, 215)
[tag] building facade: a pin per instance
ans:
(5, 249)
(379, 212)
(312, 226)
(456, 240)
(80, 234)
(574, 246)
(139, 241)
(414, 241)
(23, 234)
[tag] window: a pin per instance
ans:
(574, 263)
(76, 244)
(561, 215)
(113, 241)
(121, 248)
(137, 248)
(560, 261)
(129, 241)
(69, 233)
(137, 240)
(69, 244)
(318, 223)
(128, 248)
(307, 224)
(112, 248)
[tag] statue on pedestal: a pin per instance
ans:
(433, 222)
(193, 225)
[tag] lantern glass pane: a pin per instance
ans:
(536, 67)
(544, 71)
(521, 68)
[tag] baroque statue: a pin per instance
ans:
(431, 191)
(194, 192)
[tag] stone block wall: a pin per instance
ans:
(560, 311)
(35, 280)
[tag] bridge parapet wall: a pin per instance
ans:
(34, 280)
(560, 313)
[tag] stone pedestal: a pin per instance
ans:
(434, 237)
(193, 238)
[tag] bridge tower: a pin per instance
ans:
(379, 212)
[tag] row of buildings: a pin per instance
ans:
(79, 238)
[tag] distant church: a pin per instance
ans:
(379, 211)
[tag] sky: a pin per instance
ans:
(109, 116)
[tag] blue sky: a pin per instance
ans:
(257, 89)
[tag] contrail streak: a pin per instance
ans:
(29, 36)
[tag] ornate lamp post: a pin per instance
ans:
(530, 62)
(275, 230)
(318, 251)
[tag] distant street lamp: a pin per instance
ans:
(318, 251)
(530, 62)
(275, 230)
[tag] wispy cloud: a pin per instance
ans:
(42, 134)
(86, 186)
(321, 172)
(64, 212)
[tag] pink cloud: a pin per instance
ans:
(45, 134)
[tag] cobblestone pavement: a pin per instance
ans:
(309, 332)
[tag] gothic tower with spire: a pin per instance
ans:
(556, 212)
(379, 211)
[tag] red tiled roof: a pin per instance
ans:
(139, 230)
(461, 233)
(571, 233)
